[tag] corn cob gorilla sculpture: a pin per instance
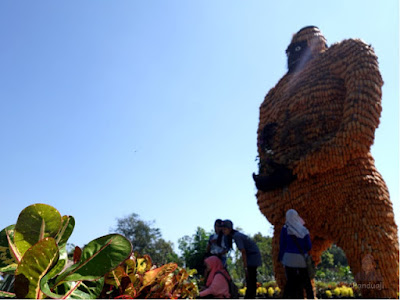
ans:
(315, 132)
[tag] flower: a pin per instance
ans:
(328, 293)
(337, 292)
(277, 290)
(346, 292)
(261, 290)
(271, 291)
(242, 291)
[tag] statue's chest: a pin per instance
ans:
(304, 107)
(311, 96)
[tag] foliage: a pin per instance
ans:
(146, 239)
(235, 267)
(265, 271)
(333, 256)
(327, 260)
(194, 248)
(34, 257)
(339, 257)
(333, 266)
(137, 278)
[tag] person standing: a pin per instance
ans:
(250, 255)
(294, 241)
(217, 243)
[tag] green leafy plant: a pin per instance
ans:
(138, 278)
(33, 256)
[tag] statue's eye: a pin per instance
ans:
(297, 49)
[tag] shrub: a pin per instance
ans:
(137, 278)
(34, 257)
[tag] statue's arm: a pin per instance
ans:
(355, 63)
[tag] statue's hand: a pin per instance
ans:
(279, 178)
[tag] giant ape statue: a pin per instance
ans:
(315, 132)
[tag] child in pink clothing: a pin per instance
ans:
(217, 284)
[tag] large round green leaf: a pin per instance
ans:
(35, 223)
(98, 257)
(34, 265)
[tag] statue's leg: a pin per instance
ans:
(368, 235)
(318, 246)
(373, 259)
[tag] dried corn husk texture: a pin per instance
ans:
(324, 119)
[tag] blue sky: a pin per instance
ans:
(114, 107)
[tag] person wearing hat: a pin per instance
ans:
(250, 255)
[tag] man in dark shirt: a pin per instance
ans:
(250, 254)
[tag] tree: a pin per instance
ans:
(264, 243)
(194, 249)
(327, 260)
(339, 257)
(235, 266)
(264, 272)
(146, 239)
(333, 266)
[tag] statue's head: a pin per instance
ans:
(305, 44)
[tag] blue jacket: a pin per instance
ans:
(287, 244)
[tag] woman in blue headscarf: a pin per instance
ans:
(294, 244)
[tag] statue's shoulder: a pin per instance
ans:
(350, 43)
(351, 48)
(351, 54)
